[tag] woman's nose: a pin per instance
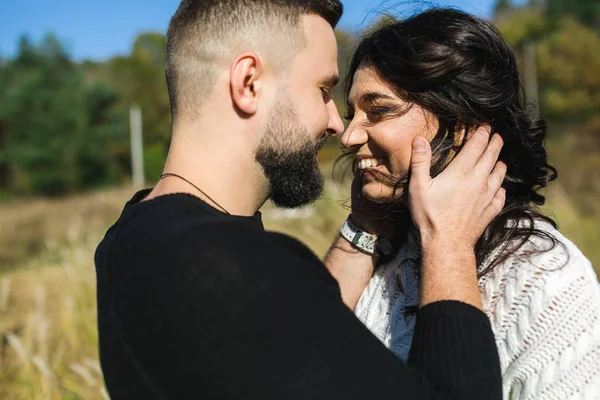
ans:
(354, 136)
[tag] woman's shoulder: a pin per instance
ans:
(542, 282)
(544, 305)
(546, 257)
(546, 287)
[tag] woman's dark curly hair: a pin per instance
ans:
(460, 68)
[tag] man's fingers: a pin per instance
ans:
(420, 162)
(468, 157)
(497, 177)
(488, 159)
(497, 205)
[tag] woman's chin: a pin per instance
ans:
(376, 192)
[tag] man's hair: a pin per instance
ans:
(204, 35)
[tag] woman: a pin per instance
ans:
(442, 74)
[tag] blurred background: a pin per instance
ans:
(84, 121)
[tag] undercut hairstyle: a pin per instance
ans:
(460, 68)
(204, 36)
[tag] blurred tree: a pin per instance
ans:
(503, 6)
(346, 45)
(52, 125)
(382, 22)
(569, 61)
(522, 24)
(568, 90)
(586, 11)
(140, 78)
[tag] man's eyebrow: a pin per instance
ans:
(330, 80)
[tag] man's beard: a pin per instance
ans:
(289, 158)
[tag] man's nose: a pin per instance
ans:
(336, 125)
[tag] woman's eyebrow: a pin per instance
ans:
(369, 97)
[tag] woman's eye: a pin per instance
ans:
(376, 114)
(349, 116)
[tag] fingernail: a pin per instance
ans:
(419, 145)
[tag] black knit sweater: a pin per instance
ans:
(196, 304)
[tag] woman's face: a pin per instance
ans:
(381, 130)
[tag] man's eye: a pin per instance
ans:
(326, 94)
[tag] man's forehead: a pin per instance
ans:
(319, 34)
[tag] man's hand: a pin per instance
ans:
(458, 204)
(452, 211)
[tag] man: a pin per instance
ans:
(196, 300)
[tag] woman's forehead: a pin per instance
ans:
(367, 80)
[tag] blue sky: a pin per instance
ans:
(99, 29)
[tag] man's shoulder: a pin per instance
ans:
(192, 239)
(219, 243)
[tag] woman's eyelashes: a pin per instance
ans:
(376, 114)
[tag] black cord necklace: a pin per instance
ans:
(166, 175)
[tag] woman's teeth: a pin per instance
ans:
(369, 163)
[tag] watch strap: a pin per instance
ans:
(360, 239)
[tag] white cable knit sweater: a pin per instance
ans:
(544, 309)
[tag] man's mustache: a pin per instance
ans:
(321, 141)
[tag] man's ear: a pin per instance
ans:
(245, 72)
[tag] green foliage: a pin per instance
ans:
(154, 161)
(64, 126)
(503, 6)
(586, 11)
(568, 55)
(520, 25)
(55, 128)
(570, 89)
(140, 78)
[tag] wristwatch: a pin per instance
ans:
(366, 242)
(360, 239)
